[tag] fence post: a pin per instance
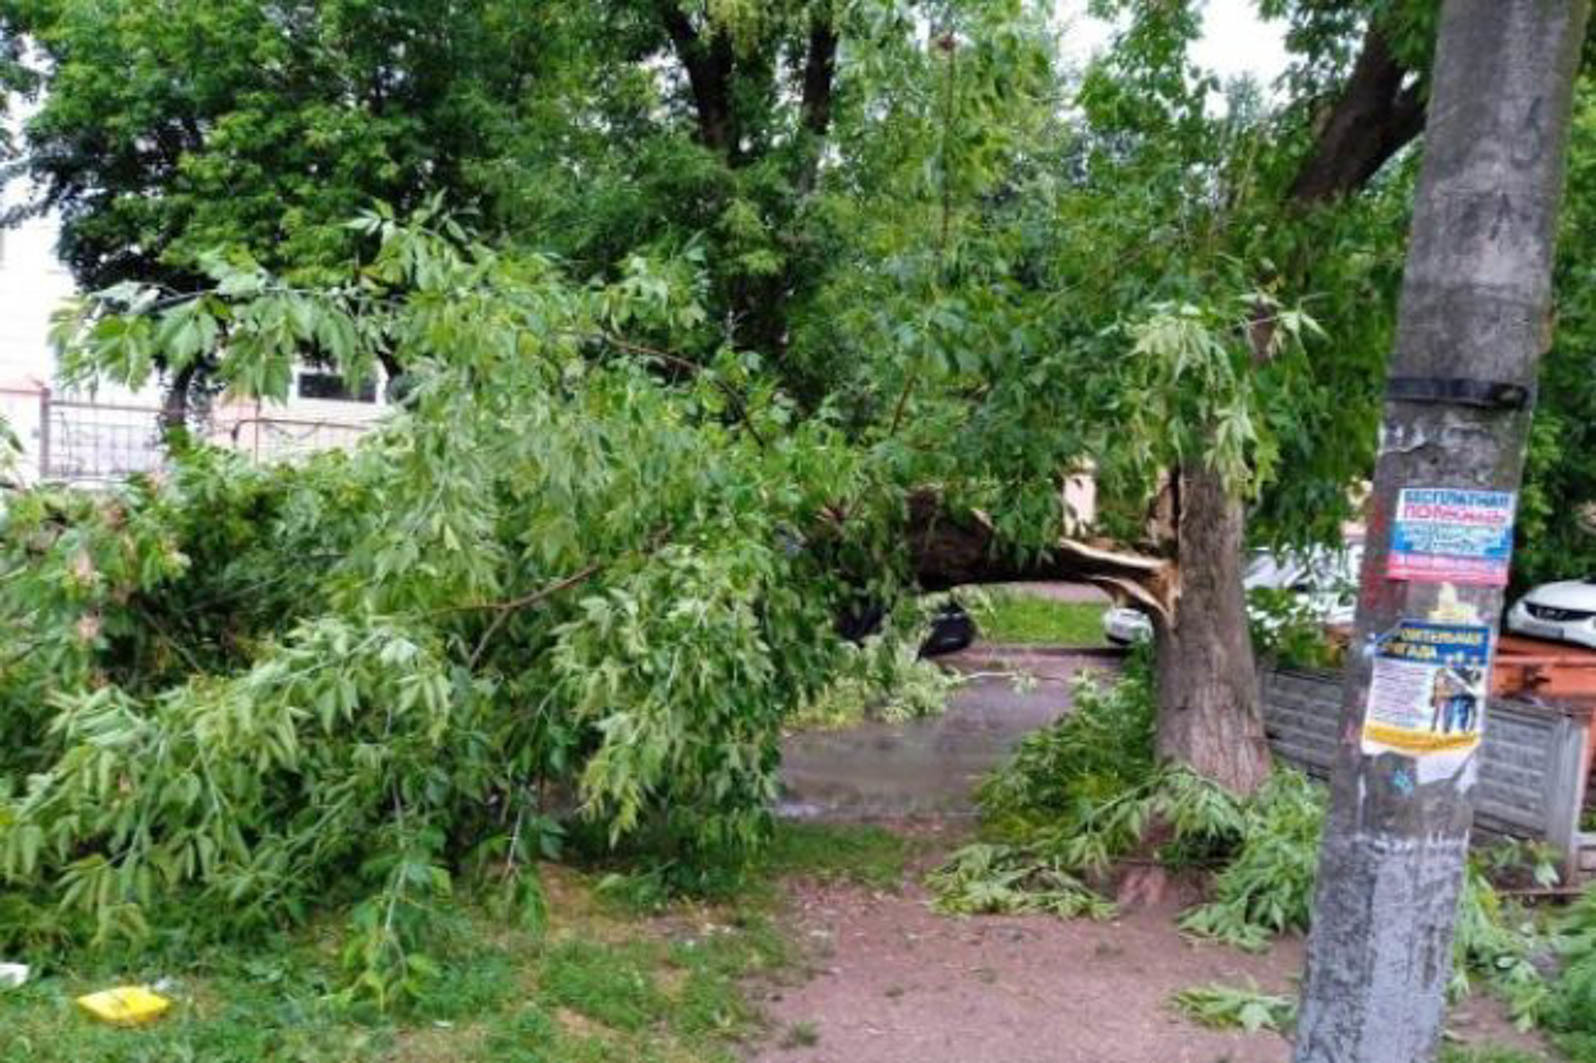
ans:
(1565, 789)
(44, 434)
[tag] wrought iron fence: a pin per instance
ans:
(71, 440)
(95, 442)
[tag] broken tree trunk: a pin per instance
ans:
(948, 549)
(1474, 321)
(1209, 715)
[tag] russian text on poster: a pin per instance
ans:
(1427, 694)
(1452, 535)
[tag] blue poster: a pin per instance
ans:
(1452, 535)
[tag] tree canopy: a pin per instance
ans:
(907, 223)
(716, 320)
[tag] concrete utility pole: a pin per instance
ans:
(1474, 321)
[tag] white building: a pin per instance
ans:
(32, 283)
(112, 432)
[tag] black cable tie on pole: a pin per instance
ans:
(1459, 391)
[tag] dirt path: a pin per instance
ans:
(897, 983)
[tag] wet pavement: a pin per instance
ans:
(928, 767)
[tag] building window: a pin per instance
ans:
(333, 387)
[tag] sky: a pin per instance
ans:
(1235, 41)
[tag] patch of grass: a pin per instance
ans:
(604, 988)
(224, 1016)
(528, 1036)
(1016, 618)
(711, 966)
(1486, 1054)
(867, 855)
(801, 1035)
(611, 984)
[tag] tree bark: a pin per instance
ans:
(709, 75)
(820, 70)
(173, 419)
(1474, 321)
(1209, 716)
(1380, 110)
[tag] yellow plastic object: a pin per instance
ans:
(128, 1005)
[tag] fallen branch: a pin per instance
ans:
(506, 609)
(731, 393)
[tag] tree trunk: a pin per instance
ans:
(1209, 717)
(709, 77)
(948, 549)
(1209, 714)
(173, 419)
(1474, 321)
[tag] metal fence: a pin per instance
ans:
(1534, 762)
(281, 438)
(85, 441)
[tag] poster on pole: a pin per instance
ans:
(1452, 535)
(1428, 691)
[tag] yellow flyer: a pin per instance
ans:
(1427, 695)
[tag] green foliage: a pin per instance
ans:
(1266, 887)
(916, 256)
(1569, 1009)
(985, 879)
(164, 133)
(1059, 776)
(1077, 796)
(1288, 631)
(1192, 388)
(1224, 1007)
(374, 676)
(1499, 943)
(883, 677)
(1080, 795)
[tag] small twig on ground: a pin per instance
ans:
(171, 640)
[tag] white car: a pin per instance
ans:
(1322, 579)
(1565, 611)
(1125, 625)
